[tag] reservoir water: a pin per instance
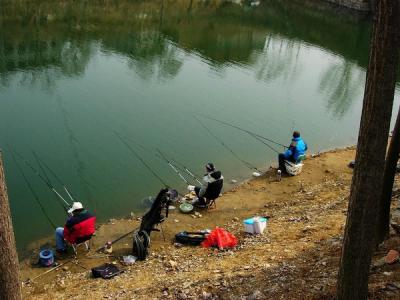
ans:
(73, 73)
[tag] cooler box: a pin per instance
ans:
(259, 224)
(248, 225)
(255, 225)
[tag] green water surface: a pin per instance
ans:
(73, 72)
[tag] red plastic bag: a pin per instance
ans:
(220, 238)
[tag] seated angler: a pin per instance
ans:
(213, 183)
(79, 227)
(296, 149)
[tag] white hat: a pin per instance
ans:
(75, 206)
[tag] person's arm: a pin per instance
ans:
(203, 190)
(70, 223)
(288, 153)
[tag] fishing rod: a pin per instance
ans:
(245, 130)
(246, 163)
(35, 196)
(182, 166)
(266, 144)
(48, 184)
(40, 163)
(118, 239)
(44, 172)
(162, 156)
(48, 271)
(41, 167)
(141, 159)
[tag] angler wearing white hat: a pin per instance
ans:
(79, 227)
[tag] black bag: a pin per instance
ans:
(190, 238)
(106, 271)
(141, 243)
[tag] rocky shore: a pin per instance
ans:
(296, 258)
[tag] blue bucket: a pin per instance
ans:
(46, 258)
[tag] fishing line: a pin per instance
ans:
(40, 162)
(35, 196)
(48, 184)
(266, 144)
(41, 167)
(138, 144)
(245, 130)
(173, 163)
(74, 142)
(246, 163)
(292, 128)
(141, 159)
(43, 171)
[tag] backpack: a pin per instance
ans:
(141, 244)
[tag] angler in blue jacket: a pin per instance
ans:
(297, 148)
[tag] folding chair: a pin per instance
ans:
(84, 241)
(210, 203)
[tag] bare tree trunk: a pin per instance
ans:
(9, 268)
(366, 187)
(388, 180)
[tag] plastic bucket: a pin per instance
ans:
(46, 258)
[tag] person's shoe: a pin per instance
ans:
(61, 251)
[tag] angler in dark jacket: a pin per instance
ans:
(213, 183)
(296, 148)
(79, 227)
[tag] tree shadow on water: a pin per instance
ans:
(341, 83)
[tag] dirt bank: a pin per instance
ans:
(297, 258)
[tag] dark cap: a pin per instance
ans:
(210, 167)
(296, 134)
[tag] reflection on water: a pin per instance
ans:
(341, 82)
(71, 73)
(279, 58)
(220, 31)
(155, 57)
(33, 62)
